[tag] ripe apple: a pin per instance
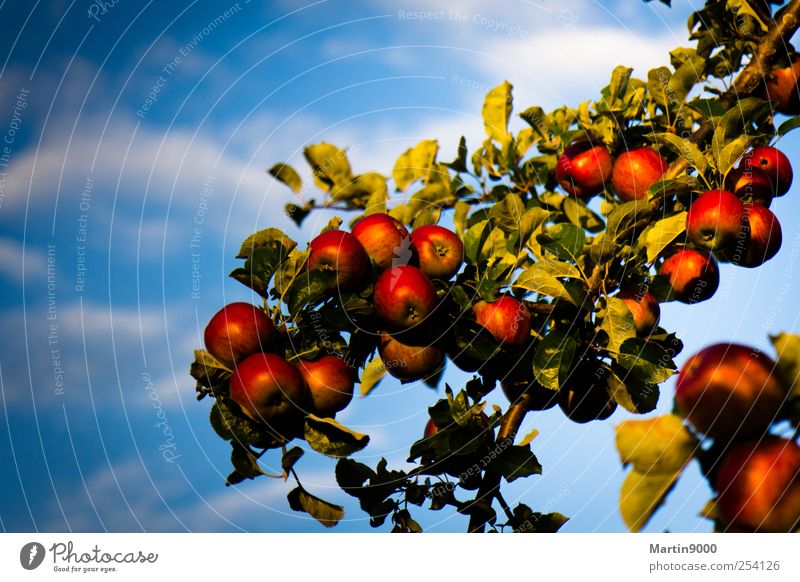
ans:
(763, 240)
(715, 220)
(339, 251)
(693, 275)
(775, 163)
(635, 171)
(403, 297)
(439, 250)
(237, 331)
(750, 184)
(431, 428)
(508, 320)
(269, 389)
(728, 390)
(330, 383)
(644, 308)
(758, 486)
(781, 87)
(409, 362)
(584, 396)
(584, 169)
(385, 239)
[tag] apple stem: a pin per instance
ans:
(490, 482)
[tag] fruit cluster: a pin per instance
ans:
(733, 394)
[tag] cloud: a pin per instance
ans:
(14, 256)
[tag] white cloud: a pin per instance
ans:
(14, 256)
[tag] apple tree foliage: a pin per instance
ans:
(564, 257)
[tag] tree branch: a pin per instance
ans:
(490, 483)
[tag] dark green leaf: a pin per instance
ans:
(290, 458)
(623, 217)
(326, 513)
(515, 462)
(617, 323)
(648, 361)
(211, 374)
(564, 240)
(330, 438)
(553, 358)
(287, 174)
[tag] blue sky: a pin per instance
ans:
(133, 124)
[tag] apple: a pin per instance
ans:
(715, 220)
(692, 275)
(584, 396)
(644, 308)
(584, 169)
(269, 389)
(439, 251)
(763, 239)
(403, 297)
(237, 331)
(635, 171)
(750, 184)
(431, 428)
(508, 320)
(330, 383)
(781, 87)
(409, 362)
(758, 486)
(775, 163)
(339, 251)
(384, 238)
(728, 390)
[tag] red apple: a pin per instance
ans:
(693, 275)
(584, 169)
(775, 163)
(508, 320)
(409, 362)
(385, 239)
(439, 250)
(269, 389)
(431, 428)
(644, 308)
(584, 395)
(750, 184)
(763, 240)
(781, 87)
(758, 486)
(339, 251)
(729, 390)
(330, 383)
(403, 297)
(715, 220)
(635, 171)
(237, 331)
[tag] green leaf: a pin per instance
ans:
(244, 464)
(460, 216)
(516, 461)
(657, 83)
(684, 78)
(210, 373)
(309, 288)
(633, 394)
(659, 235)
(617, 323)
(507, 214)
(789, 125)
(415, 163)
(362, 189)
(326, 513)
(496, 111)
(624, 216)
(528, 521)
(289, 270)
(641, 495)
(287, 174)
(233, 426)
(373, 373)
(290, 458)
(330, 438)
(553, 358)
(647, 360)
(685, 149)
(543, 277)
(329, 166)
(745, 112)
(264, 252)
(460, 163)
(474, 239)
(565, 240)
(579, 215)
(619, 82)
(659, 445)
(787, 348)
